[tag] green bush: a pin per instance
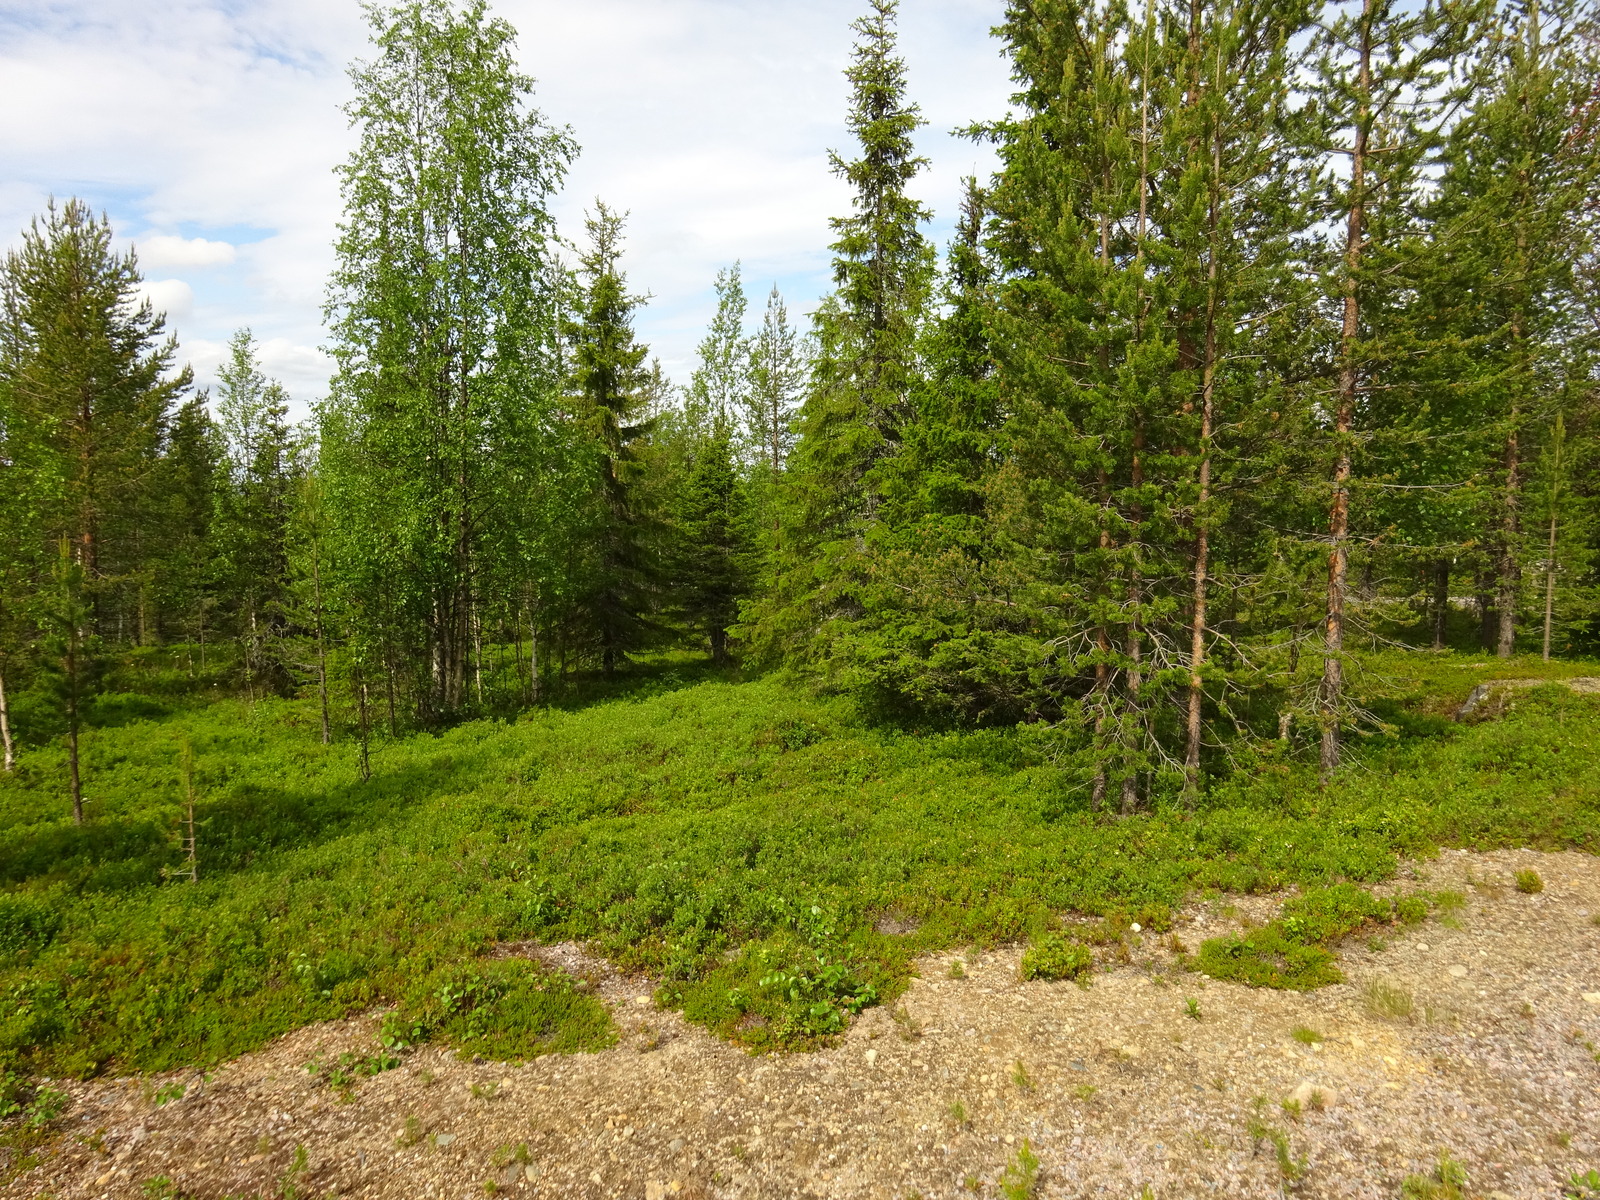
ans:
(1326, 914)
(507, 1010)
(1052, 956)
(1266, 957)
(26, 924)
(1411, 910)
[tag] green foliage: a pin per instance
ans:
(1447, 1181)
(1323, 915)
(1583, 1187)
(1294, 951)
(1268, 957)
(1290, 1168)
(1021, 1178)
(507, 1010)
(26, 923)
(1529, 882)
(1052, 956)
(717, 833)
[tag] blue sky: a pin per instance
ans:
(209, 130)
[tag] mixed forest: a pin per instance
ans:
(1259, 376)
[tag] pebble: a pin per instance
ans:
(872, 1057)
(1424, 946)
(675, 1145)
(641, 1001)
(1591, 997)
(444, 1139)
(1458, 971)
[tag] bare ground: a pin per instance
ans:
(1120, 1090)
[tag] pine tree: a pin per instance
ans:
(613, 386)
(445, 312)
(1384, 76)
(90, 387)
(1511, 200)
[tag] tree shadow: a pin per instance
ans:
(235, 830)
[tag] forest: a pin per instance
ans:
(1103, 554)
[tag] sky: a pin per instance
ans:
(209, 130)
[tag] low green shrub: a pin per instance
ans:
(713, 831)
(1267, 957)
(26, 923)
(1053, 956)
(508, 1010)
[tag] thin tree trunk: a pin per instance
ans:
(477, 651)
(365, 725)
(322, 645)
(74, 775)
(1202, 533)
(1559, 440)
(536, 690)
(1135, 641)
(1549, 587)
(1441, 601)
(1510, 524)
(5, 725)
(1332, 691)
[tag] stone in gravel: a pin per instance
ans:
(1458, 971)
(655, 1190)
(675, 1145)
(532, 1171)
(1592, 997)
(1307, 1092)
(444, 1139)
(872, 1057)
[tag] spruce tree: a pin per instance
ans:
(865, 367)
(720, 386)
(252, 514)
(778, 368)
(190, 472)
(613, 388)
(711, 574)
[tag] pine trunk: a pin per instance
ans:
(1441, 601)
(1331, 695)
(1202, 533)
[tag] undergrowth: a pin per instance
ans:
(738, 839)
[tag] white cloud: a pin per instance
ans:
(708, 119)
(163, 250)
(173, 297)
